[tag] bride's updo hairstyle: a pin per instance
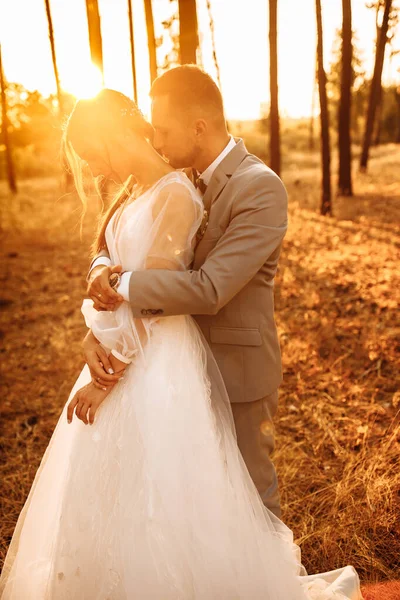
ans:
(107, 116)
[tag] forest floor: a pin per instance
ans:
(337, 298)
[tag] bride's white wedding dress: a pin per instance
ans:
(153, 501)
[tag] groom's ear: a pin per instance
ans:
(200, 127)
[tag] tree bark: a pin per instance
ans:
(132, 40)
(4, 129)
(376, 84)
(54, 59)
(345, 187)
(376, 136)
(311, 143)
(214, 48)
(188, 37)
(275, 144)
(95, 39)
(326, 204)
(397, 98)
(151, 39)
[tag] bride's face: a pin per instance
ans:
(109, 160)
(93, 153)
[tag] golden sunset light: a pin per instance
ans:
(200, 224)
(241, 36)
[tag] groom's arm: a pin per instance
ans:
(257, 228)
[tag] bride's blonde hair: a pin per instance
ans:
(107, 115)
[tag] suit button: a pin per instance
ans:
(159, 311)
(143, 311)
(154, 312)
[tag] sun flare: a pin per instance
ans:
(87, 85)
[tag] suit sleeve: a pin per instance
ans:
(256, 231)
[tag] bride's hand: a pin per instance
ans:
(101, 369)
(86, 402)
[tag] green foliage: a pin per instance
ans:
(35, 131)
(33, 118)
(167, 41)
(390, 112)
(390, 115)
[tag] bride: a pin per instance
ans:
(142, 491)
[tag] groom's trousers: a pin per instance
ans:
(256, 441)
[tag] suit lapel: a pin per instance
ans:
(223, 172)
(215, 187)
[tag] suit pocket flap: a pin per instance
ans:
(236, 336)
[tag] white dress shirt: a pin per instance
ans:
(206, 175)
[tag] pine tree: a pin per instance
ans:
(376, 84)
(151, 39)
(344, 139)
(4, 131)
(95, 39)
(188, 36)
(275, 149)
(132, 41)
(326, 203)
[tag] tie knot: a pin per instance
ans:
(199, 183)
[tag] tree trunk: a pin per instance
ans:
(397, 98)
(326, 205)
(95, 40)
(53, 57)
(311, 143)
(275, 147)
(345, 184)
(376, 85)
(132, 40)
(214, 49)
(376, 137)
(188, 38)
(151, 39)
(68, 181)
(4, 129)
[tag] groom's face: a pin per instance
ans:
(174, 135)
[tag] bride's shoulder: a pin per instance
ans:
(178, 182)
(176, 191)
(179, 178)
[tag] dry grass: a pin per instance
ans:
(339, 426)
(337, 292)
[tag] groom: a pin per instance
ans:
(230, 288)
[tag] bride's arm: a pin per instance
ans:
(177, 213)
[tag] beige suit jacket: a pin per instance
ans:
(230, 288)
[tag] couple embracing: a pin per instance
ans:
(158, 482)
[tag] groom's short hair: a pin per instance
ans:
(187, 87)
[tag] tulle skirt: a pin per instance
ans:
(153, 501)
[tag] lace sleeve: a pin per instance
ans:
(177, 211)
(177, 214)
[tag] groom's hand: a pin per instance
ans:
(99, 289)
